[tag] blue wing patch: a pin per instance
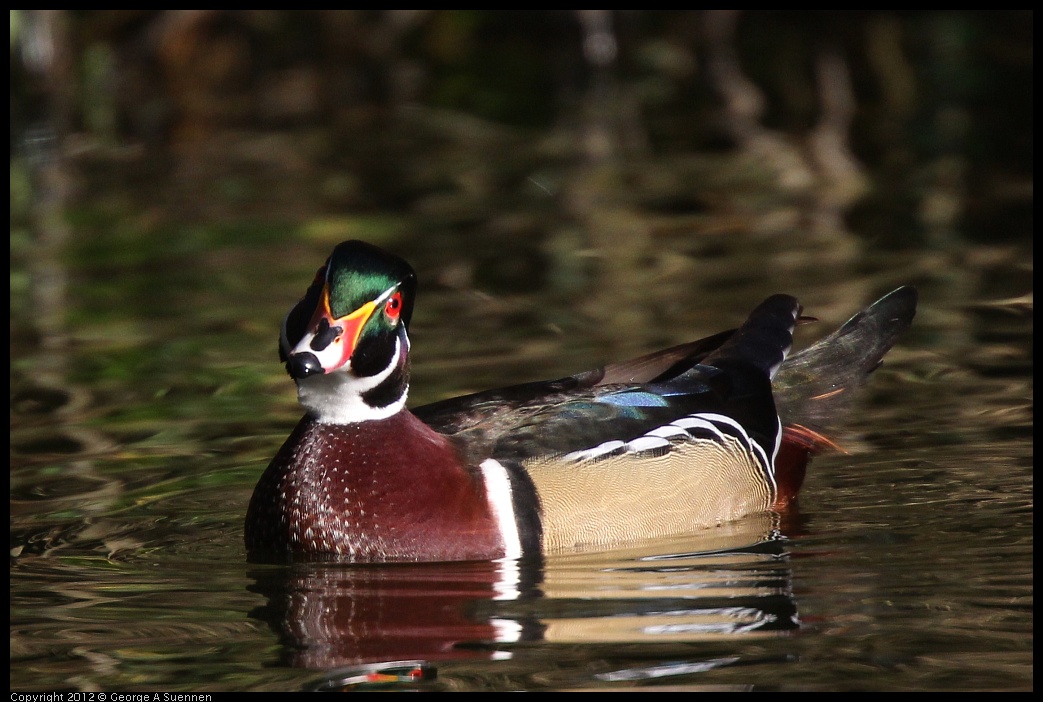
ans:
(634, 398)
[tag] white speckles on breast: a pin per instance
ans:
(320, 510)
(337, 489)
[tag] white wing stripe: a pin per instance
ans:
(720, 426)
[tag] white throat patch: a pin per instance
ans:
(336, 398)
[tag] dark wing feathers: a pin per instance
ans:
(662, 365)
(726, 374)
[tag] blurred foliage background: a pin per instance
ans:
(941, 100)
(593, 170)
(623, 154)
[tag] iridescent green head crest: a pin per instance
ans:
(357, 273)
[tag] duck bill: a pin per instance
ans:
(329, 342)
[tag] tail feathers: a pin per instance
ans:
(813, 386)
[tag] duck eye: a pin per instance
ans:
(393, 307)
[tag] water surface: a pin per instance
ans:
(147, 398)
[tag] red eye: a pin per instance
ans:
(393, 307)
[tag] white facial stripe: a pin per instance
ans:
(336, 398)
(382, 298)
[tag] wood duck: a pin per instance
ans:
(668, 443)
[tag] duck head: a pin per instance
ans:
(346, 342)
